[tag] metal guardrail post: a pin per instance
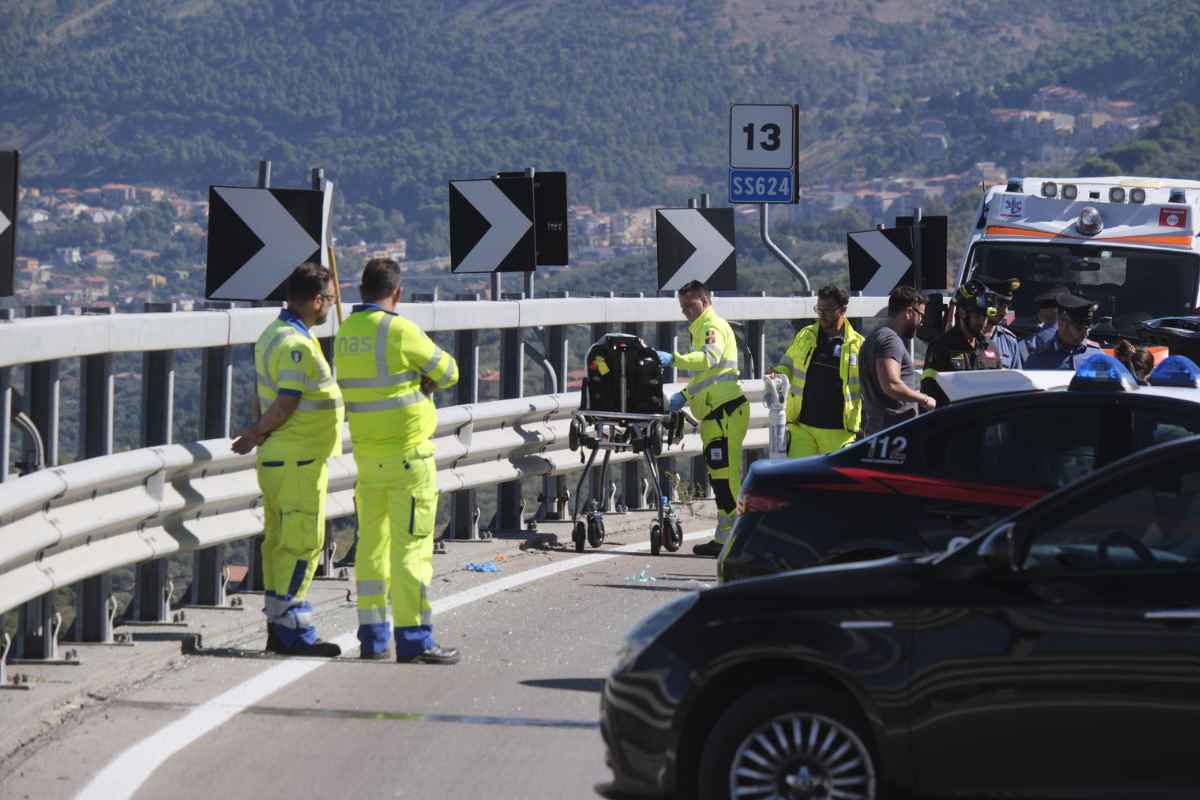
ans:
(97, 400)
(466, 353)
(151, 602)
(558, 353)
(43, 389)
(6, 408)
(512, 385)
(632, 471)
(216, 392)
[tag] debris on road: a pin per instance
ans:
(643, 577)
(486, 566)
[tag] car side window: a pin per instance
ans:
(1153, 426)
(1043, 448)
(1152, 524)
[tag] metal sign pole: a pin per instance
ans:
(764, 228)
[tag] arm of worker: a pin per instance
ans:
(706, 357)
(253, 435)
(438, 368)
(887, 373)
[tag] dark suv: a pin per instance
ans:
(917, 486)
(1056, 654)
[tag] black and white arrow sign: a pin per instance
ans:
(256, 237)
(8, 222)
(491, 225)
(881, 260)
(696, 244)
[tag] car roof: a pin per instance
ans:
(983, 383)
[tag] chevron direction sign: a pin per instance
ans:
(8, 222)
(491, 225)
(696, 244)
(881, 259)
(256, 237)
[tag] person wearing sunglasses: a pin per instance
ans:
(298, 429)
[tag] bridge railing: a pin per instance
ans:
(73, 524)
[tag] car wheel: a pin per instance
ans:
(791, 741)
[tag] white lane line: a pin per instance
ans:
(128, 771)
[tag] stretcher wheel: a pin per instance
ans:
(595, 532)
(674, 535)
(656, 539)
(579, 534)
(656, 438)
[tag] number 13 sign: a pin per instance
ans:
(762, 136)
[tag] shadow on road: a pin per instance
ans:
(574, 684)
(646, 587)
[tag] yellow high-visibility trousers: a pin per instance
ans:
(294, 533)
(397, 498)
(722, 438)
(805, 440)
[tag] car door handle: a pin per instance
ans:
(1174, 614)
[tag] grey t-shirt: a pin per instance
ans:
(879, 410)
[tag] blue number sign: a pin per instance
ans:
(761, 186)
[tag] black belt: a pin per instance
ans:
(725, 409)
(304, 463)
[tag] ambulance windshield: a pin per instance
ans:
(1129, 285)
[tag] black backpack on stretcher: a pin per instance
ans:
(624, 376)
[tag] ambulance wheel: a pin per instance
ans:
(595, 532)
(573, 435)
(579, 535)
(674, 538)
(656, 539)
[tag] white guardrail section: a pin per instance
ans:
(64, 524)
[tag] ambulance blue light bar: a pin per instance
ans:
(1103, 373)
(1176, 371)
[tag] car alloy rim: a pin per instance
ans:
(801, 756)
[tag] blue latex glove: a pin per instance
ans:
(665, 358)
(678, 401)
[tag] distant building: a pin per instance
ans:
(117, 194)
(68, 255)
(144, 255)
(100, 259)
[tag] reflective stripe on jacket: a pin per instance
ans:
(713, 364)
(289, 360)
(795, 363)
(381, 358)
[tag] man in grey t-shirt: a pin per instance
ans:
(885, 365)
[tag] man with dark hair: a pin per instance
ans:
(885, 365)
(1047, 327)
(297, 433)
(1071, 346)
(388, 368)
(824, 405)
(963, 347)
(715, 398)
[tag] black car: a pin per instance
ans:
(920, 484)
(1057, 654)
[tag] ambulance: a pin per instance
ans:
(1127, 243)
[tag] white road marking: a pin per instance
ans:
(130, 770)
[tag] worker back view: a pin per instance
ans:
(387, 368)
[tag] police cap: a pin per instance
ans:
(1079, 310)
(1002, 288)
(1049, 298)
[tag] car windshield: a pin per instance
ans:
(1129, 285)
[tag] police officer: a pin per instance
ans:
(1047, 327)
(824, 405)
(296, 434)
(388, 368)
(1070, 346)
(716, 399)
(963, 347)
(1003, 340)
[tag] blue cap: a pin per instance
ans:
(1176, 371)
(1103, 373)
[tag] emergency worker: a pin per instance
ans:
(1047, 326)
(715, 398)
(388, 368)
(824, 405)
(299, 428)
(1070, 346)
(1003, 340)
(963, 347)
